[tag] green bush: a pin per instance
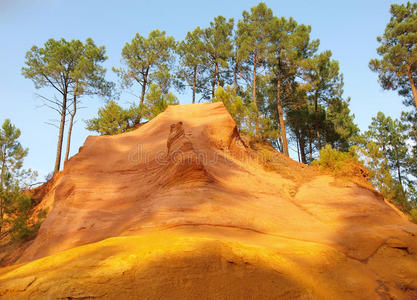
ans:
(413, 214)
(249, 120)
(114, 119)
(22, 227)
(341, 163)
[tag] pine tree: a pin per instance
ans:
(252, 30)
(70, 68)
(385, 148)
(192, 59)
(409, 119)
(339, 127)
(326, 83)
(144, 56)
(240, 53)
(289, 46)
(111, 119)
(218, 48)
(12, 175)
(389, 135)
(398, 48)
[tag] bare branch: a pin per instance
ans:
(47, 79)
(56, 126)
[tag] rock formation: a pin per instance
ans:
(184, 208)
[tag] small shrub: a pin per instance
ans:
(341, 163)
(413, 214)
(249, 120)
(23, 225)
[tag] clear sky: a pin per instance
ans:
(347, 28)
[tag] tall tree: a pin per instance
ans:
(89, 80)
(64, 65)
(192, 58)
(300, 120)
(385, 147)
(409, 119)
(389, 135)
(11, 161)
(398, 48)
(218, 47)
(326, 83)
(253, 27)
(241, 52)
(289, 44)
(143, 56)
(339, 127)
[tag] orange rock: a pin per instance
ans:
(184, 208)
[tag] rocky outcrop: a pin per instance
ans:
(184, 208)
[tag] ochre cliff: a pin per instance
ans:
(184, 208)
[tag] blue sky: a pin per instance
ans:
(347, 28)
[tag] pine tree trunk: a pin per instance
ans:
(302, 149)
(235, 77)
(145, 81)
(61, 134)
(412, 84)
(194, 82)
(281, 149)
(317, 123)
(399, 175)
(1, 215)
(3, 164)
(70, 128)
(217, 75)
(213, 85)
(298, 151)
(254, 78)
(311, 150)
(281, 116)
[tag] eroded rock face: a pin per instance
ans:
(183, 208)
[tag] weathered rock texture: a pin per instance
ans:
(183, 208)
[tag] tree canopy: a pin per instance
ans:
(144, 56)
(397, 67)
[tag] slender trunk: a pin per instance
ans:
(311, 149)
(412, 84)
(302, 149)
(298, 151)
(194, 82)
(217, 75)
(145, 81)
(213, 85)
(235, 77)
(316, 110)
(254, 78)
(71, 122)
(281, 149)
(3, 167)
(281, 115)
(61, 134)
(399, 175)
(3, 170)
(1, 215)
